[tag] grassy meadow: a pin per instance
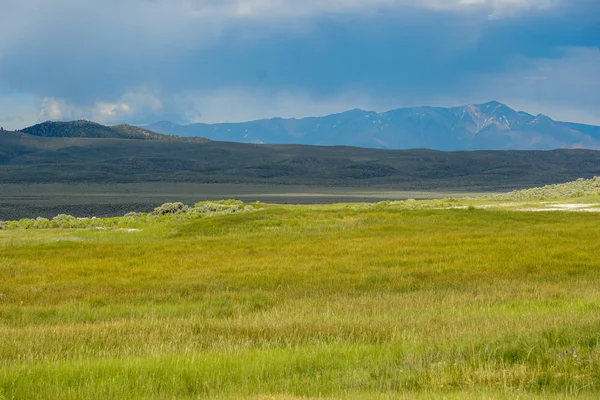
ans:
(314, 301)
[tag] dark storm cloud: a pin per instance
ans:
(86, 54)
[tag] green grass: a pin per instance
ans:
(340, 301)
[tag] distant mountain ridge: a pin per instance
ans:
(92, 130)
(488, 126)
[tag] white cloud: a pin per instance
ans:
(110, 111)
(55, 109)
(131, 106)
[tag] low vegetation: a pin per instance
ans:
(182, 211)
(415, 299)
(579, 188)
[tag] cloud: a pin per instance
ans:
(129, 107)
(142, 60)
(56, 109)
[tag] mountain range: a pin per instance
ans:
(488, 126)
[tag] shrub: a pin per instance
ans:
(209, 207)
(65, 221)
(221, 207)
(26, 223)
(171, 209)
(42, 223)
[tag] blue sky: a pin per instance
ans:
(140, 61)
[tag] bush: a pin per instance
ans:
(221, 207)
(26, 223)
(171, 209)
(65, 221)
(42, 223)
(209, 207)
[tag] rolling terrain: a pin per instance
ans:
(25, 158)
(488, 126)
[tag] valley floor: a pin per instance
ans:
(380, 300)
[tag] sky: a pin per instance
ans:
(141, 61)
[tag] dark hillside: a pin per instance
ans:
(26, 158)
(81, 128)
(87, 129)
